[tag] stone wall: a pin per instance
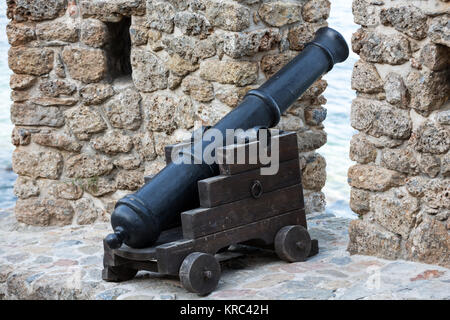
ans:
(400, 184)
(101, 86)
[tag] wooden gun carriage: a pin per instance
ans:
(239, 206)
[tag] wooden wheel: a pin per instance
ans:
(293, 243)
(118, 274)
(200, 273)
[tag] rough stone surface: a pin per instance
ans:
(20, 33)
(123, 111)
(313, 175)
(32, 61)
(113, 142)
(378, 118)
(94, 33)
(84, 121)
(362, 150)
(278, 14)
(56, 140)
(239, 73)
(227, 15)
(439, 30)
(96, 93)
(76, 253)
(38, 164)
(428, 90)
(108, 104)
(58, 30)
(84, 166)
(86, 65)
(396, 91)
(34, 115)
(22, 10)
(25, 188)
(315, 11)
(407, 19)
(406, 217)
(46, 212)
(373, 178)
(150, 74)
(365, 78)
(380, 48)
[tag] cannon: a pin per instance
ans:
(139, 218)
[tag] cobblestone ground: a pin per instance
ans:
(66, 263)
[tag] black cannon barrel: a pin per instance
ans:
(139, 218)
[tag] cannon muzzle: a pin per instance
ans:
(139, 218)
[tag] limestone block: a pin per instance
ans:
(113, 142)
(300, 35)
(94, 33)
(428, 89)
(379, 118)
(237, 45)
(309, 140)
(272, 63)
(395, 211)
(83, 121)
(189, 48)
(409, 20)
(198, 89)
(86, 65)
(360, 201)
(278, 14)
(32, 61)
(315, 115)
(21, 81)
(149, 73)
(22, 10)
(435, 56)
(314, 174)
(44, 212)
(160, 15)
(432, 138)
(227, 15)
(362, 150)
(25, 188)
(111, 11)
(429, 242)
(369, 239)
(28, 114)
(373, 178)
(64, 30)
(365, 78)
(401, 160)
(179, 66)
(87, 166)
(365, 12)
(144, 146)
(240, 73)
(20, 33)
(68, 190)
(86, 211)
(96, 93)
(439, 30)
(382, 48)
(192, 24)
(37, 164)
(231, 95)
(129, 179)
(57, 140)
(316, 10)
(396, 91)
(55, 88)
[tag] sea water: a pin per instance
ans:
(337, 124)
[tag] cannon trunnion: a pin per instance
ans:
(238, 206)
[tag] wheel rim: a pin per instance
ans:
(200, 273)
(293, 243)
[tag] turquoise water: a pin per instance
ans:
(337, 124)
